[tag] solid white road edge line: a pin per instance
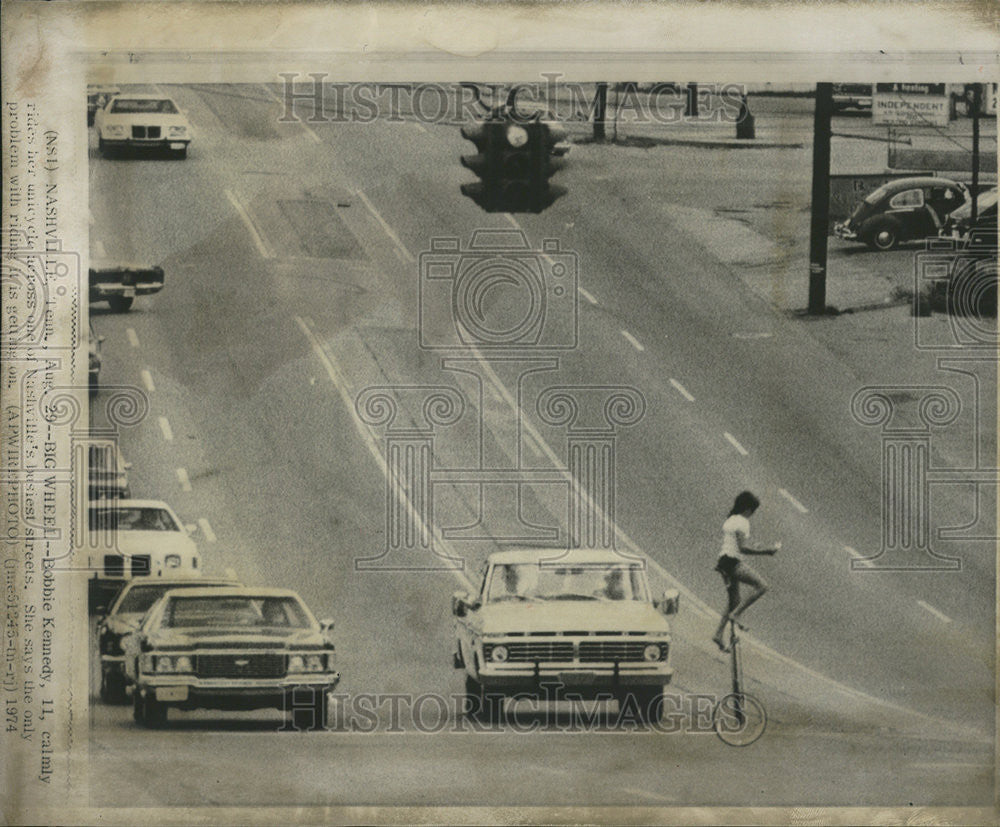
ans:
(329, 362)
(248, 223)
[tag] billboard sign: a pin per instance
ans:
(910, 104)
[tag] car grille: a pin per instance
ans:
(260, 665)
(146, 132)
(605, 650)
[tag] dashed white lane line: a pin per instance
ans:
(248, 223)
(632, 340)
(938, 614)
(183, 479)
(385, 226)
(147, 380)
(299, 120)
(132, 338)
(99, 251)
(206, 530)
(735, 443)
(586, 295)
(681, 390)
(793, 501)
(419, 126)
(168, 435)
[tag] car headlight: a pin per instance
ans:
(499, 654)
(178, 131)
(296, 663)
(652, 652)
(182, 664)
(172, 561)
(115, 129)
(315, 663)
(164, 664)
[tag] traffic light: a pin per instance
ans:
(515, 161)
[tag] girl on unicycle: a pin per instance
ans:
(732, 564)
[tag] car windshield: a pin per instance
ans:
(139, 599)
(164, 105)
(547, 581)
(137, 518)
(234, 612)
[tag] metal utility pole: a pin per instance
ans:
(977, 102)
(600, 111)
(819, 224)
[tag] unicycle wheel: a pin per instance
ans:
(739, 719)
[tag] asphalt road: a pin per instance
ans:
(292, 261)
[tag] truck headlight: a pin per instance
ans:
(178, 131)
(499, 654)
(296, 663)
(115, 129)
(164, 664)
(652, 652)
(315, 663)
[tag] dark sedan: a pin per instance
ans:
(231, 648)
(906, 209)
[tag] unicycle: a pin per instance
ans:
(739, 719)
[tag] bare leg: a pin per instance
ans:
(745, 574)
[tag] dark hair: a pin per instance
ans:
(744, 501)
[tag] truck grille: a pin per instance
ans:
(260, 665)
(146, 132)
(608, 650)
(540, 651)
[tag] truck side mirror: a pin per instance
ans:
(669, 603)
(461, 602)
(326, 625)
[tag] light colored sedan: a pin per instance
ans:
(135, 121)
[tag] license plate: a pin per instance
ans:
(577, 678)
(171, 693)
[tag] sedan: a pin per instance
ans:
(124, 617)
(231, 648)
(136, 121)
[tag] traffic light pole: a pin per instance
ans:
(819, 225)
(977, 102)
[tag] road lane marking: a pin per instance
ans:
(99, 251)
(938, 614)
(147, 380)
(632, 340)
(586, 295)
(682, 390)
(248, 223)
(299, 120)
(793, 501)
(132, 338)
(168, 435)
(206, 529)
(419, 126)
(735, 443)
(385, 226)
(183, 479)
(333, 371)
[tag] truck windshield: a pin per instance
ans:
(545, 581)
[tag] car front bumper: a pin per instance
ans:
(188, 691)
(522, 676)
